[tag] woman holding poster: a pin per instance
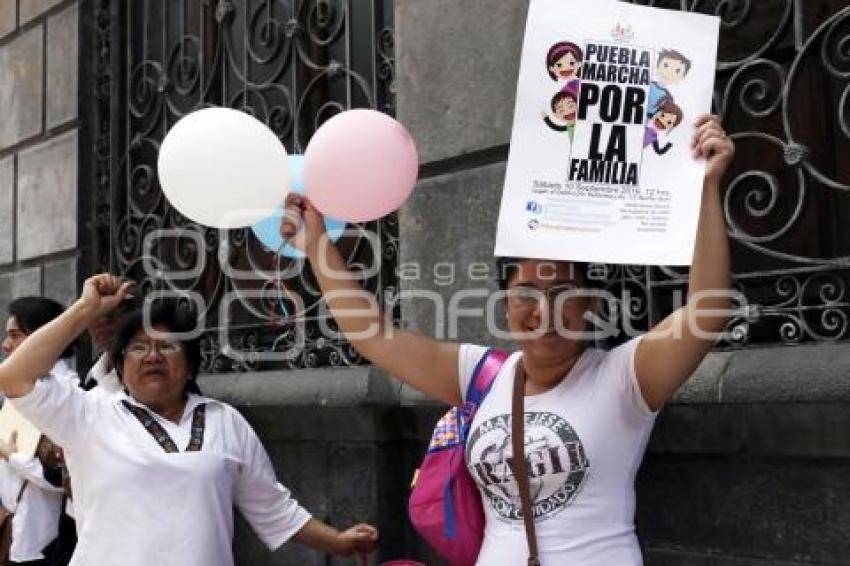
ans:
(588, 412)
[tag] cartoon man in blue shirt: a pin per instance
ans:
(671, 70)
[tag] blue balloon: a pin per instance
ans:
(296, 174)
(268, 230)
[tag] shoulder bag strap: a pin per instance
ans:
(518, 463)
(21, 493)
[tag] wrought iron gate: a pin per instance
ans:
(783, 90)
(292, 64)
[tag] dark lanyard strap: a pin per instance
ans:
(196, 440)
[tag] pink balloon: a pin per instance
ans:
(360, 165)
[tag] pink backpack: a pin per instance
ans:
(445, 506)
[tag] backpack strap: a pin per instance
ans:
(484, 375)
(479, 386)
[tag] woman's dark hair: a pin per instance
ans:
(170, 314)
(31, 313)
(506, 268)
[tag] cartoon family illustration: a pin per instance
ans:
(663, 114)
(563, 64)
(564, 110)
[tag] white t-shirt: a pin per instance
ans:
(136, 504)
(584, 440)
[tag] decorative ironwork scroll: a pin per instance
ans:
(783, 92)
(292, 64)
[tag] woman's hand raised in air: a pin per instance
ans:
(39, 352)
(302, 225)
(103, 293)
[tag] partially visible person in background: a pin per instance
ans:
(103, 374)
(126, 451)
(31, 486)
(35, 503)
(56, 473)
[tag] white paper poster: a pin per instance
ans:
(27, 435)
(600, 165)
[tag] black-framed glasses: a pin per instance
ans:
(529, 297)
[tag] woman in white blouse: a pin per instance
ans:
(35, 502)
(24, 489)
(157, 469)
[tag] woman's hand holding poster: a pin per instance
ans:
(600, 166)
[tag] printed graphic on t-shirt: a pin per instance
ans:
(557, 464)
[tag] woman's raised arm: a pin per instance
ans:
(426, 364)
(671, 351)
(38, 353)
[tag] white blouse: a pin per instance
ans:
(103, 379)
(136, 504)
(36, 520)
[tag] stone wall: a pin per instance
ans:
(748, 466)
(38, 149)
(346, 443)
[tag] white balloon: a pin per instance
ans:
(223, 168)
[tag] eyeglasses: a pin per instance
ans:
(142, 349)
(529, 297)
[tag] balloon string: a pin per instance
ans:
(279, 284)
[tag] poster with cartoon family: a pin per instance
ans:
(600, 167)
